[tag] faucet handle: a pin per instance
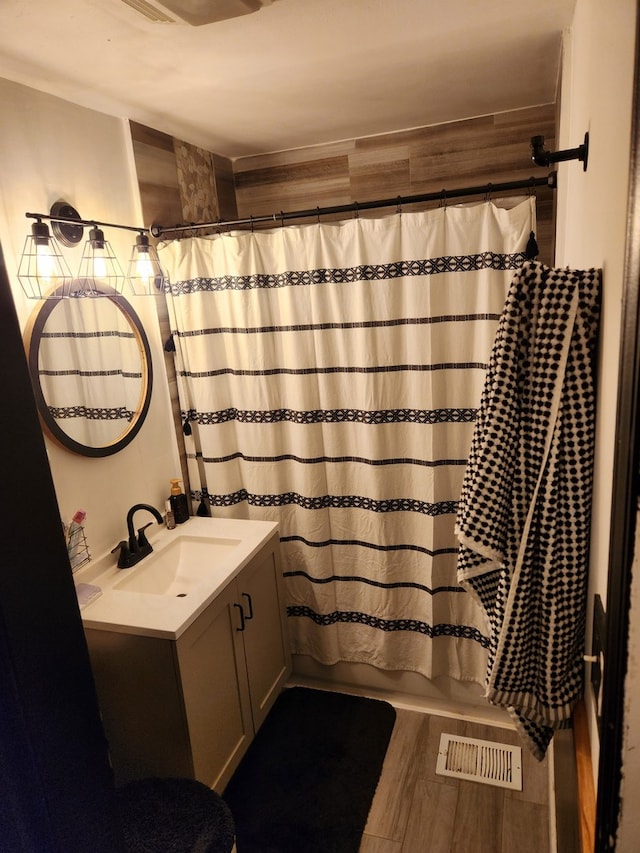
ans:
(143, 542)
(125, 554)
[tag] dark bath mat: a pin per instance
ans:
(307, 781)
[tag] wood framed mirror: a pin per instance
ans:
(90, 366)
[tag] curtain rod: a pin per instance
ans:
(444, 195)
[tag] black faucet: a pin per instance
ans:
(137, 547)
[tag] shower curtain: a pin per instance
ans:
(329, 376)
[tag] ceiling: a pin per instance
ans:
(295, 72)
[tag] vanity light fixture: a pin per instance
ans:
(44, 273)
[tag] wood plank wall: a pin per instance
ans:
(490, 149)
(180, 182)
(157, 172)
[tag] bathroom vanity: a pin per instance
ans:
(189, 649)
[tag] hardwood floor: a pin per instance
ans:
(416, 811)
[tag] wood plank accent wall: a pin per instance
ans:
(490, 149)
(157, 171)
(180, 182)
(225, 187)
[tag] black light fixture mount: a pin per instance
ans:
(542, 157)
(68, 232)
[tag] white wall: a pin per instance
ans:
(52, 149)
(597, 91)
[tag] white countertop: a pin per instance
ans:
(169, 616)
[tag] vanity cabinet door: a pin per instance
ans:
(268, 660)
(216, 694)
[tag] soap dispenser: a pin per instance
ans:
(178, 502)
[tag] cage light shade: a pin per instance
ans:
(146, 276)
(98, 266)
(43, 271)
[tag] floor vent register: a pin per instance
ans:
(480, 761)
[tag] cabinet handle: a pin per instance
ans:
(241, 609)
(250, 603)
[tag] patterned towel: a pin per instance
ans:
(524, 513)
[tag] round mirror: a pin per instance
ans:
(90, 365)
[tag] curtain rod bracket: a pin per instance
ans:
(542, 157)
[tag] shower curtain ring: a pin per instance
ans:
(487, 195)
(356, 210)
(443, 200)
(282, 218)
(318, 215)
(251, 218)
(399, 205)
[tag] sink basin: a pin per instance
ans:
(167, 590)
(178, 568)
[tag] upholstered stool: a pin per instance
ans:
(174, 816)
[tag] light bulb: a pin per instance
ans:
(144, 268)
(99, 264)
(99, 268)
(45, 260)
(45, 264)
(145, 274)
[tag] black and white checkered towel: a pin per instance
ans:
(524, 513)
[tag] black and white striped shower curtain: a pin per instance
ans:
(331, 374)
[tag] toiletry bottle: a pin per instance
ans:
(169, 516)
(178, 501)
